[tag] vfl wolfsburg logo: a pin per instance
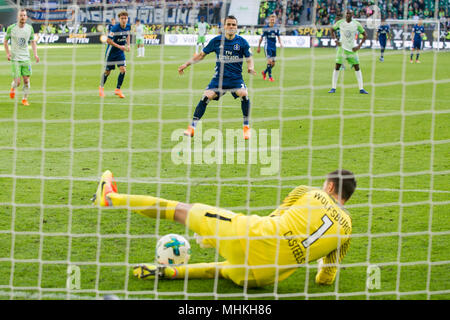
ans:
(236, 47)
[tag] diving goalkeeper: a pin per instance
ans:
(309, 225)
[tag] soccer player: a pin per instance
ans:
(271, 33)
(417, 35)
(202, 29)
(118, 42)
(230, 50)
(311, 224)
(20, 34)
(139, 30)
(347, 50)
(383, 33)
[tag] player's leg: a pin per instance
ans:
(335, 77)
(26, 90)
(418, 47)
(216, 227)
(192, 271)
(359, 78)
(208, 95)
(271, 63)
(242, 93)
(412, 55)
(105, 76)
(142, 49)
(25, 71)
(118, 91)
(339, 62)
(383, 47)
(16, 74)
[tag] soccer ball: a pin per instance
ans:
(173, 249)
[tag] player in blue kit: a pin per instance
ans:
(231, 49)
(118, 42)
(270, 33)
(383, 33)
(417, 35)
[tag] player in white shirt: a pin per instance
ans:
(20, 34)
(348, 30)
(202, 28)
(139, 30)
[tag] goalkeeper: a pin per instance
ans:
(310, 224)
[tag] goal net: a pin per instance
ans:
(54, 244)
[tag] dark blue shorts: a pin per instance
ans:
(271, 53)
(116, 60)
(382, 42)
(417, 44)
(227, 86)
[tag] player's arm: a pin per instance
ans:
(363, 32)
(279, 41)
(127, 48)
(250, 65)
(112, 43)
(8, 54)
(327, 270)
(196, 58)
(34, 48)
(259, 45)
(5, 44)
(333, 36)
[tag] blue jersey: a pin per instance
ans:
(270, 34)
(118, 35)
(230, 55)
(418, 30)
(383, 31)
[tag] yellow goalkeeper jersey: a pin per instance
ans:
(307, 226)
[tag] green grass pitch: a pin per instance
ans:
(396, 139)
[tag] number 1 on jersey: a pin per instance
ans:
(327, 223)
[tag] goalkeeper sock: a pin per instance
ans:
(104, 78)
(360, 79)
(200, 110)
(148, 206)
(245, 106)
(335, 78)
(120, 79)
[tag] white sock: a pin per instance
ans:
(360, 79)
(26, 90)
(335, 78)
(143, 51)
(14, 84)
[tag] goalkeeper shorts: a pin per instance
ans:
(219, 228)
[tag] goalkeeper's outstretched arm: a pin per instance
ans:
(327, 270)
